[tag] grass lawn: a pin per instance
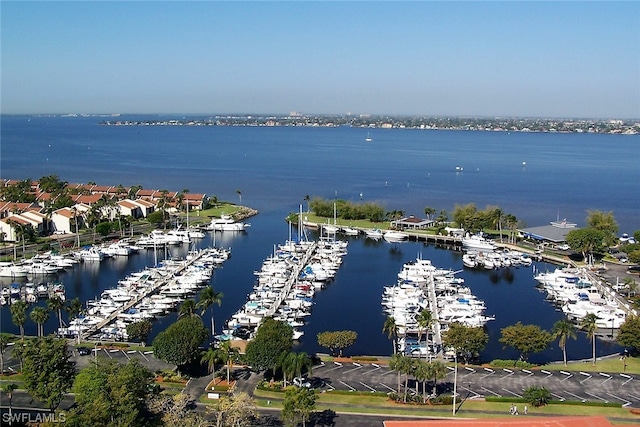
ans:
(609, 364)
(358, 403)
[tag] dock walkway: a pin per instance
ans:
(169, 279)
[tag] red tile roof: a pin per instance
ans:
(511, 421)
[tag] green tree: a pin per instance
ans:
(179, 343)
(402, 365)
(109, 393)
(47, 371)
(301, 362)
(187, 308)
(392, 331)
(425, 320)
(337, 340)
(19, 315)
(537, 396)
(227, 354)
(525, 338)
(139, 330)
(629, 333)
(429, 211)
(9, 388)
(604, 222)
(56, 304)
(466, 340)
(39, 315)
(5, 339)
(236, 410)
(272, 338)
(588, 323)
(438, 372)
(563, 330)
(104, 228)
(209, 297)
(586, 241)
(298, 405)
(211, 356)
(156, 217)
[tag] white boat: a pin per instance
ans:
(478, 243)
(368, 138)
(395, 236)
(227, 223)
(9, 269)
(374, 233)
(350, 231)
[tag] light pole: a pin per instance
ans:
(455, 381)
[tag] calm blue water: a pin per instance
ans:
(564, 176)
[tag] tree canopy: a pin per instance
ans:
(337, 341)
(47, 371)
(298, 405)
(110, 393)
(586, 240)
(179, 343)
(629, 333)
(525, 338)
(467, 341)
(272, 338)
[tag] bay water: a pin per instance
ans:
(537, 177)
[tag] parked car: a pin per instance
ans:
(564, 247)
(84, 351)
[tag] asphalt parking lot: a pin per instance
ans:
(474, 382)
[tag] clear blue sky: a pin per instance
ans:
(545, 59)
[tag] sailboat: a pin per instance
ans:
(368, 138)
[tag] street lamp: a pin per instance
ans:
(455, 380)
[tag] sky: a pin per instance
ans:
(443, 58)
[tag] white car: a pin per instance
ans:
(564, 247)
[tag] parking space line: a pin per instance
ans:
(605, 375)
(560, 398)
(547, 373)
(633, 396)
(126, 355)
(358, 366)
(490, 372)
(576, 396)
(627, 403)
(376, 367)
(509, 372)
(142, 354)
(586, 374)
(108, 354)
(490, 391)
(629, 378)
(526, 371)
(513, 392)
(386, 386)
(370, 388)
(596, 396)
(568, 375)
(347, 385)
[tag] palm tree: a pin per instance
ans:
(402, 365)
(306, 199)
(285, 363)
(497, 219)
(239, 192)
(424, 319)
(19, 315)
(563, 330)
(187, 308)
(56, 304)
(9, 389)
(39, 315)
(209, 297)
(228, 355)
(211, 356)
(589, 324)
(422, 372)
(438, 372)
(429, 211)
(391, 330)
(74, 308)
(300, 362)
